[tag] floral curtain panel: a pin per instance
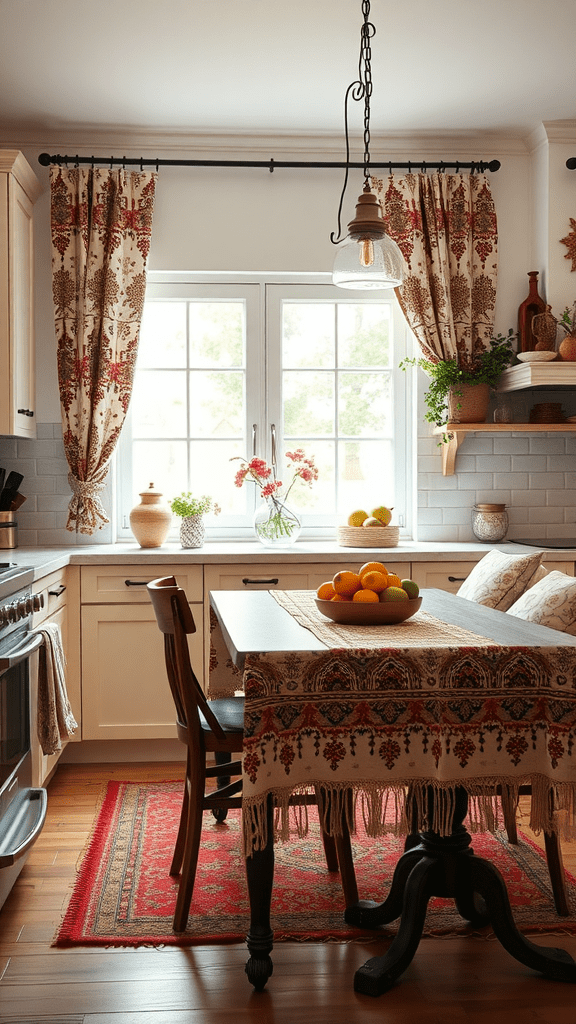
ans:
(101, 223)
(445, 225)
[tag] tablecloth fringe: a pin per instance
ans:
(405, 807)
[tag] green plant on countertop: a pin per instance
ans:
(185, 505)
(446, 376)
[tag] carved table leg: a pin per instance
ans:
(446, 866)
(260, 879)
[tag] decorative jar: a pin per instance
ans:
(489, 523)
(192, 531)
(150, 521)
(275, 524)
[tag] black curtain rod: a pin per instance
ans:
(475, 166)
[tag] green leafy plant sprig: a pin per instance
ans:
(185, 505)
(447, 376)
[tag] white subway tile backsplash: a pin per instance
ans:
(546, 481)
(533, 464)
(547, 444)
(481, 481)
(506, 445)
(511, 480)
(549, 514)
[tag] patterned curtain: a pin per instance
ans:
(101, 222)
(445, 225)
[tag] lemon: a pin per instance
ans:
(357, 518)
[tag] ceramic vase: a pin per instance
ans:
(192, 531)
(150, 521)
(276, 525)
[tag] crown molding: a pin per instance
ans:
(130, 141)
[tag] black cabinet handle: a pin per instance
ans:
(25, 412)
(247, 582)
(137, 583)
(456, 579)
(59, 590)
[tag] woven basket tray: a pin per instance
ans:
(368, 536)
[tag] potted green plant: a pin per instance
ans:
(192, 511)
(460, 395)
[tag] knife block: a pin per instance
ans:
(8, 530)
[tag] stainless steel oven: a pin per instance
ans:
(22, 806)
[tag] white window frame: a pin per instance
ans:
(264, 294)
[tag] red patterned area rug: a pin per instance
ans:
(124, 896)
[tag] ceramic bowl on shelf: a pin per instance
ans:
(536, 357)
(385, 613)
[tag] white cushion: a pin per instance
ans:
(498, 579)
(550, 602)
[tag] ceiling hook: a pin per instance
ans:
(271, 168)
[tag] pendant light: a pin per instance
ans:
(367, 258)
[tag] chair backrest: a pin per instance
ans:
(175, 620)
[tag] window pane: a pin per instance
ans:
(308, 334)
(364, 334)
(216, 333)
(364, 404)
(159, 404)
(320, 497)
(216, 404)
(162, 335)
(365, 475)
(308, 403)
(160, 462)
(212, 472)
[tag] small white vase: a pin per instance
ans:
(275, 524)
(192, 531)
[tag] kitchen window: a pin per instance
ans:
(224, 364)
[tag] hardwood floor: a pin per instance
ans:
(450, 981)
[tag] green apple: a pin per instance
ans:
(411, 588)
(383, 514)
(371, 521)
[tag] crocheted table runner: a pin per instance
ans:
(421, 630)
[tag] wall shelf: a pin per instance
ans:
(457, 432)
(557, 373)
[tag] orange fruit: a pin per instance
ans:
(567, 349)
(346, 583)
(394, 580)
(325, 591)
(366, 597)
(340, 597)
(394, 594)
(375, 580)
(372, 567)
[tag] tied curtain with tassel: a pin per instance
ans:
(101, 223)
(445, 226)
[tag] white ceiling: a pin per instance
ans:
(282, 66)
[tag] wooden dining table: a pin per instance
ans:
(416, 727)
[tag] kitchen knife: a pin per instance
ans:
(10, 490)
(2, 478)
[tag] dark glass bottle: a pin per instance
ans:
(531, 306)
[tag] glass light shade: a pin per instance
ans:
(368, 262)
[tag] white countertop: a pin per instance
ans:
(46, 560)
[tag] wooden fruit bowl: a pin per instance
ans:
(385, 613)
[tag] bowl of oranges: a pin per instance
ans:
(369, 596)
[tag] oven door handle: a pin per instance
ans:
(32, 643)
(23, 823)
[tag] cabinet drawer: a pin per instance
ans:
(126, 584)
(255, 577)
(53, 590)
(442, 575)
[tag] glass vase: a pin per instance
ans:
(275, 524)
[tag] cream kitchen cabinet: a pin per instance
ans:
(59, 593)
(283, 576)
(125, 691)
(19, 189)
(451, 575)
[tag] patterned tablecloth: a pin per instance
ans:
(422, 705)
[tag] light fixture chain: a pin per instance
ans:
(365, 74)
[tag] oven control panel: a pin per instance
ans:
(20, 608)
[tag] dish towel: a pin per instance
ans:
(55, 718)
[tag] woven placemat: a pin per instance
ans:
(421, 629)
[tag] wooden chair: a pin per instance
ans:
(212, 727)
(551, 845)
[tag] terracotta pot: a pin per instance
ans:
(472, 402)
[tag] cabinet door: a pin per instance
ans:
(442, 575)
(125, 690)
